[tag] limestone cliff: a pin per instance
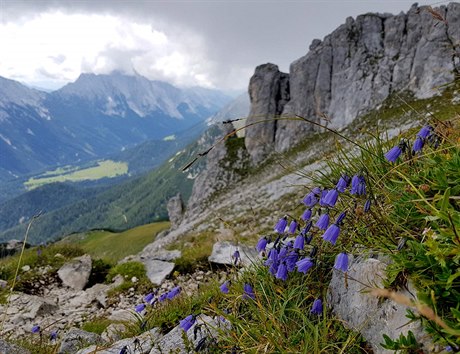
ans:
(353, 70)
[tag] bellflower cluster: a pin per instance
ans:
(426, 134)
(187, 322)
(248, 292)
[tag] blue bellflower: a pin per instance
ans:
(173, 293)
(425, 132)
(331, 234)
(281, 225)
(331, 198)
(139, 308)
(304, 265)
(340, 218)
(148, 298)
(262, 244)
(299, 242)
(162, 297)
(291, 260)
(310, 200)
(317, 307)
(224, 287)
(187, 322)
(342, 184)
(36, 329)
(282, 272)
(306, 215)
(341, 262)
(322, 199)
(236, 257)
(249, 292)
(418, 145)
(53, 335)
(358, 185)
(323, 222)
(293, 227)
(393, 154)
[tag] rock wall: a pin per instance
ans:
(352, 71)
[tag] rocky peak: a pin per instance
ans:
(352, 71)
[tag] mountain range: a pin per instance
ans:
(93, 117)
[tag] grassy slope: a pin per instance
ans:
(112, 246)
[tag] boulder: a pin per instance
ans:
(222, 253)
(8, 348)
(367, 314)
(157, 271)
(75, 274)
(113, 332)
(76, 339)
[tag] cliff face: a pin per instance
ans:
(352, 71)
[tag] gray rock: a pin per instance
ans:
(121, 315)
(141, 344)
(222, 253)
(163, 255)
(157, 271)
(7, 348)
(173, 341)
(350, 301)
(3, 284)
(76, 339)
(30, 306)
(175, 208)
(75, 274)
(98, 293)
(268, 91)
(113, 332)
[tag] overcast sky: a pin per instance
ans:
(207, 43)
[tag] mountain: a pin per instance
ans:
(93, 117)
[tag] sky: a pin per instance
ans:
(208, 43)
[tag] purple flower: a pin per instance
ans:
(425, 132)
(341, 262)
(331, 234)
(224, 287)
(304, 265)
(272, 257)
(317, 307)
(282, 272)
(340, 218)
(249, 292)
(173, 293)
(316, 190)
(393, 154)
(322, 199)
(306, 215)
(236, 257)
(342, 184)
(261, 244)
(299, 242)
(281, 225)
(187, 322)
(53, 335)
(331, 197)
(283, 252)
(148, 298)
(293, 227)
(273, 268)
(291, 261)
(139, 308)
(418, 145)
(367, 206)
(358, 185)
(310, 200)
(162, 297)
(323, 222)
(36, 329)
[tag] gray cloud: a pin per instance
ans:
(236, 35)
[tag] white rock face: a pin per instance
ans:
(157, 271)
(75, 274)
(222, 253)
(365, 313)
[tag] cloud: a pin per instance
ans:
(210, 43)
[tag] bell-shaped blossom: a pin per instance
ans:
(342, 184)
(224, 287)
(418, 145)
(341, 262)
(425, 132)
(299, 242)
(331, 234)
(393, 154)
(248, 291)
(358, 185)
(317, 307)
(306, 214)
(148, 298)
(310, 200)
(262, 244)
(282, 272)
(139, 308)
(173, 293)
(291, 260)
(331, 198)
(323, 222)
(281, 225)
(293, 227)
(36, 329)
(304, 265)
(187, 322)
(322, 199)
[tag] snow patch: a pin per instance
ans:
(30, 132)
(6, 140)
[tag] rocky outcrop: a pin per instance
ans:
(352, 71)
(268, 92)
(175, 208)
(75, 274)
(351, 302)
(76, 338)
(223, 253)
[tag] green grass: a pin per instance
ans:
(104, 169)
(112, 246)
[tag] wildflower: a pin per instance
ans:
(249, 292)
(281, 225)
(282, 272)
(293, 227)
(139, 308)
(367, 206)
(173, 293)
(323, 222)
(425, 132)
(291, 261)
(36, 329)
(272, 257)
(187, 322)
(331, 197)
(316, 190)
(340, 218)
(273, 269)
(317, 307)
(342, 184)
(162, 297)
(306, 215)
(236, 256)
(262, 244)
(393, 154)
(331, 234)
(322, 199)
(418, 145)
(299, 242)
(341, 262)
(224, 287)
(53, 335)
(310, 200)
(358, 185)
(148, 298)
(304, 265)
